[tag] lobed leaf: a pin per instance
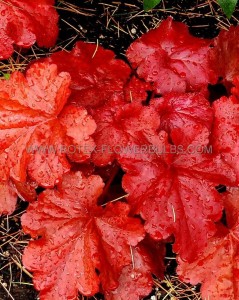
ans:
(114, 136)
(172, 59)
(223, 61)
(34, 127)
(172, 189)
(96, 74)
(77, 238)
(136, 280)
(185, 117)
(25, 22)
(225, 130)
(217, 268)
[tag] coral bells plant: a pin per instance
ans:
(74, 119)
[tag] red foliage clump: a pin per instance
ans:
(152, 119)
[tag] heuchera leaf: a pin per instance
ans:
(174, 191)
(110, 136)
(186, 117)
(231, 204)
(224, 57)
(172, 59)
(225, 139)
(25, 22)
(177, 198)
(108, 133)
(135, 282)
(26, 190)
(113, 135)
(102, 84)
(217, 268)
(96, 74)
(34, 127)
(8, 197)
(136, 279)
(136, 90)
(77, 238)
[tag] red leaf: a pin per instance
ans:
(108, 132)
(174, 191)
(231, 204)
(8, 198)
(113, 135)
(172, 59)
(225, 139)
(102, 84)
(136, 90)
(96, 74)
(26, 190)
(79, 127)
(134, 282)
(25, 22)
(217, 268)
(169, 197)
(224, 57)
(235, 88)
(186, 117)
(32, 130)
(78, 237)
(156, 252)
(136, 279)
